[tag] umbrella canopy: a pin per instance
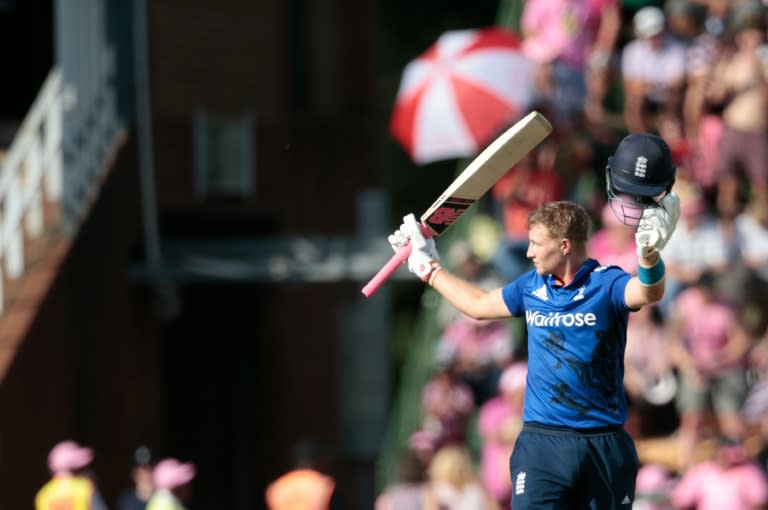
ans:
(460, 93)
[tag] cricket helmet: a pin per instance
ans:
(639, 173)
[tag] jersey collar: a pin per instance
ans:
(584, 270)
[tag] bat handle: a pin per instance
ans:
(391, 266)
(385, 272)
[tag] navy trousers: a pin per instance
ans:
(565, 469)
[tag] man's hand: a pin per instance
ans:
(657, 225)
(424, 256)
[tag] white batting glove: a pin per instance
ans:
(424, 256)
(657, 225)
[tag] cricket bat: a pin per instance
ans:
(471, 184)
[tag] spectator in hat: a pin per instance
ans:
(653, 72)
(173, 485)
(137, 496)
(72, 484)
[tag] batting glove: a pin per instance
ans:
(657, 225)
(424, 256)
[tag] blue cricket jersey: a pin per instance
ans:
(576, 339)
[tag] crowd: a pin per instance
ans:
(694, 72)
(164, 485)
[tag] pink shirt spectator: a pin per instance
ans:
(477, 343)
(499, 422)
(561, 29)
(705, 327)
(614, 243)
(495, 416)
(708, 486)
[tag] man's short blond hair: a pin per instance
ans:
(564, 220)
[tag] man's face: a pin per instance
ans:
(544, 251)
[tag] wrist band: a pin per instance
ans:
(427, 270)
(433, 274)
(650, 276)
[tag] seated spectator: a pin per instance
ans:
(407, 493)
(614, 242)
(138, 495)
(499, 423)
(452, 483)
(653, 72)
(649, 379)
(730, 480)
(653, 488)
(573, 42)
(699, 244)
(423, 443)
(173, 485)
(72, 483)
(464, 260)
(447, 404)
(709, 347)
(530, 183)
(477, 350)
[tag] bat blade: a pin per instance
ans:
(471, 184)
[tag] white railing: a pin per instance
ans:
(30, 176)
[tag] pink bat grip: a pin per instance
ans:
(386, 271)
(392, 265)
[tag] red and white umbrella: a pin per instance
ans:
(460, 93)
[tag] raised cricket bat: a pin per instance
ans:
(487, 168)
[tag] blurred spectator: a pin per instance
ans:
(649, 379)
(687, 22)
(729, 481)
(447, 404)
(307, 485)
(452, 483)
(614, 242)
(653, 489)
(408, 492)
(477, 350)
(573, 42)
(423, 444)
(653, 72)
(740, 83)
(72, 484)
(138, 495)
(582, 182)
(752, 234)
(465, 261)
(698, 244)
(709, 347)
(530, 183)
(173, 485)
(499, 423)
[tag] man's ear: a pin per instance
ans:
(566, 246)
